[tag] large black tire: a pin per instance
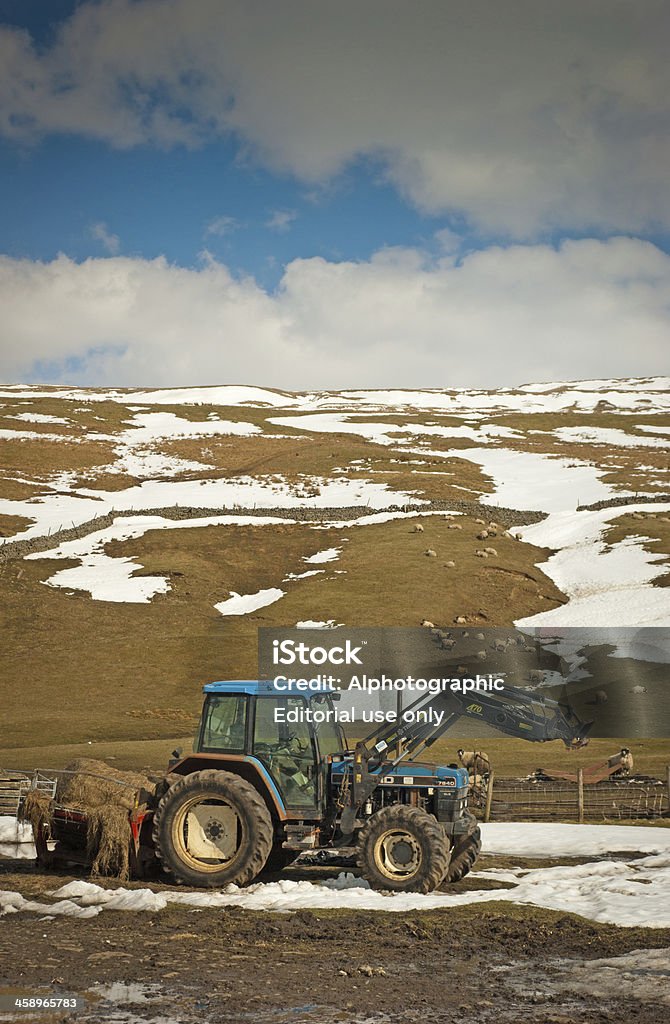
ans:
(403, 849)
(243, 829)
(463, 856)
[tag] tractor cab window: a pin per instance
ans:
(286, 748)
(224, 724)
(329, 734)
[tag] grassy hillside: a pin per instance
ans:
(125, 676)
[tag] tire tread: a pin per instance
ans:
(255, 807)
(434, 867)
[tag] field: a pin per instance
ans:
(410, 967)
(146, 536)
(126, 630)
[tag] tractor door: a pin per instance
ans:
(223, 724)
(287, 749)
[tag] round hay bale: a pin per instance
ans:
(87, 784)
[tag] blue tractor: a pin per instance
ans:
(271, 776)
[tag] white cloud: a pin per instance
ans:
(222, 226)
(110, 242)
(496, 317)
(448, 240)
(281, 220)
(520, 115)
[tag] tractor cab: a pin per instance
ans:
(289, 737)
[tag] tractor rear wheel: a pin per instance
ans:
(212, 828)
(464, 853)
(402, 848)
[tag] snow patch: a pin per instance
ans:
(242, 604)
(608, 585)
(530, 480)
(153, 426)
(386, 433)
(314, 624)
(37, 417)
(608, 436)
(54, 511)
(545, 839)
(110, 579)
(16, 839)
(327, 555)
(627, 893)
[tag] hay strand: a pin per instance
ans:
(36, 809)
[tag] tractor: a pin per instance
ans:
(271, 776)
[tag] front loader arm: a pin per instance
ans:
(513, 711)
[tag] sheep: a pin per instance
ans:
(491, 551)
(482, 655)
(536, 675)
(518, 536)
(600, 697)
(460, 620)
(448, 644)
(624, 760)
(480, 522)
(481, 554)
(429, 553)
(638, 689)
(427, 624)
(482, 535)
(476, 761)
(418, 528)
(454, 526)
(450, 565)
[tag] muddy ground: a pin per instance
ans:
(496, 962)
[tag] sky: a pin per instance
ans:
(307, 195)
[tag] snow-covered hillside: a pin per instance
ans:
(521, 442)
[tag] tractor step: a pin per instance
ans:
(301, 837)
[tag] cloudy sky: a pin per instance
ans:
(307, 194)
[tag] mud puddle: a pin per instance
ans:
(642, 974)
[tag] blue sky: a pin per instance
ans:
(345, 187)
(180, 203)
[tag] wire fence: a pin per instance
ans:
(496, 799)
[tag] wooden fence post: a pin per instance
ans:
(667, 785)
(489, 795)
(580, 794)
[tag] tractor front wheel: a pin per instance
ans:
(402, 848)
(212, 828)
